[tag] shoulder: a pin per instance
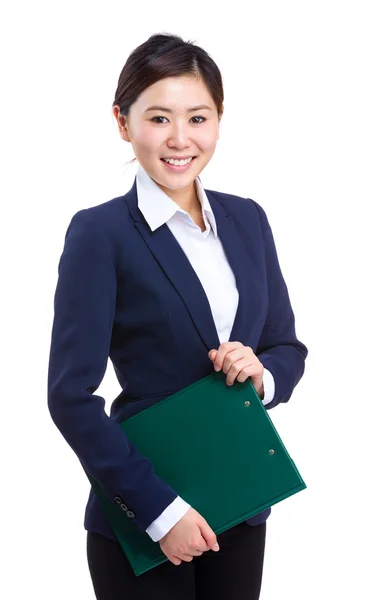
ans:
(239, 207)
(103, 220)
(99, 229)
(103, 214)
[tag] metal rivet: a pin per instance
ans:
(247, 403)
(272, 451)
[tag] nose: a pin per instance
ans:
(179, 136)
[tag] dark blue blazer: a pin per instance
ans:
(132, 295)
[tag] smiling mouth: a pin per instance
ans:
(176, 166)
(167, 159)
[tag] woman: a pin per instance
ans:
(171, 281)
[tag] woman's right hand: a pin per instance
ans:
(190, 537)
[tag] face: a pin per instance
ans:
(175, 118)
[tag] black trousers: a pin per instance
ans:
(233, 573)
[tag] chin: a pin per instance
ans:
(173, 185)
(175, 181)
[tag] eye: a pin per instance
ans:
(196, 120)
(154, 119)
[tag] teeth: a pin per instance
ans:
(179, 163)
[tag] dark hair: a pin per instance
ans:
(161, 56)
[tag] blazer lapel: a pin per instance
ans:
(172, 259)
(242, 267)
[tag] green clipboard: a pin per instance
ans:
(218, 448)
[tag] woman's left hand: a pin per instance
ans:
(238, 362)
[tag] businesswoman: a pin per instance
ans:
(171, 281)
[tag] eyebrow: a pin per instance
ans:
(168, 110)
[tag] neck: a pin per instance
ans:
(186, 198)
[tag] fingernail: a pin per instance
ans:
(212, 354)
(216, 547)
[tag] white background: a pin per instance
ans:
(303, 134)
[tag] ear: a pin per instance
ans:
(122, 124)
(219, 120)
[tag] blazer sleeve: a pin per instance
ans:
(84, 307)
(278, 349)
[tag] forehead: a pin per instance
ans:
(176, 93)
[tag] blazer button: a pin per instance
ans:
(118, 500)
(124, 507)
(130, 514)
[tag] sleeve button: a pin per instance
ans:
(130, 514)
(118, 500)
